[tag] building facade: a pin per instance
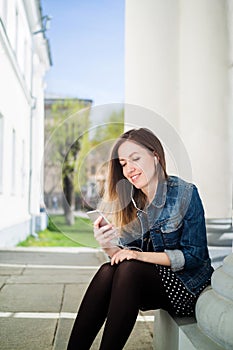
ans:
(24, 59)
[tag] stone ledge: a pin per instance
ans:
(179, 334)
(215, 315)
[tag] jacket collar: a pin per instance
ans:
(161, 194)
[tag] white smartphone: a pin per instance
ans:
(94, 214)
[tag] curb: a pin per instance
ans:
(52, 249)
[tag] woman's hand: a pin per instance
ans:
(123, 254)
(105, 235)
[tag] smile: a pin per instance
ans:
(135, 177)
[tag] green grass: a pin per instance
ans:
(59, 234)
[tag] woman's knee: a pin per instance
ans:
(136, 269)
(106, 268)
(128, 276)
(126, 269)
(133, 264)
(104, 275)
(129, 267)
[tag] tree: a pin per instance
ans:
(66, 123)
(93, 158)
(112, 128)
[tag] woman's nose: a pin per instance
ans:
(130, 167)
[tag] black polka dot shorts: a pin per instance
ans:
(182, 302)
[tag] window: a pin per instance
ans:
(25, 61)
(4, 11)
(93, 170)
(23, 169)
(1, 152)
(13, 163)
(16, 30)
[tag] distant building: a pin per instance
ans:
(24, 59)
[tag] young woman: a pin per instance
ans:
(161, 259)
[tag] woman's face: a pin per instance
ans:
(138, 165)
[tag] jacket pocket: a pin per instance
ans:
(171, 232)
(172, 224)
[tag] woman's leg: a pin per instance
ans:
(135, 284)
(93, 309)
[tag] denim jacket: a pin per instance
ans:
(174, 223)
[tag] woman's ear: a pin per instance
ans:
(156, 157)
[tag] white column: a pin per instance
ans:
(214, 309)
(177, 65)
(152, 75)
(204, 100)
(151, 57)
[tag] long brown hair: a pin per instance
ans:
(118, 191)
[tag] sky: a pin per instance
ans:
(87, 48)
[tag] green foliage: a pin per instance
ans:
(68, 145)
(113, 127)
(51, 226)
(64, 126)
(80, 170)
(110, 129)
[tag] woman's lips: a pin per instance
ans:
(135, 177)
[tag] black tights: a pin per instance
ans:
(117, 293)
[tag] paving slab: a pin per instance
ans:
(53, 276)
(3, 280)
(59, 270)
(62, 335)
(27, 334)
(50, 288)
(49, 258)
(73, 296)
(140, 339)
(9, 270)
(31, 298)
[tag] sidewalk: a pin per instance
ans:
(40, 291)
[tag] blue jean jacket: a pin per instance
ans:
(175, 224)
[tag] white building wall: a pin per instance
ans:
(230, 94)
(37, 137)
(21, 85)
(177, 64)
(16, 117)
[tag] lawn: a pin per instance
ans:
(59, 234)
